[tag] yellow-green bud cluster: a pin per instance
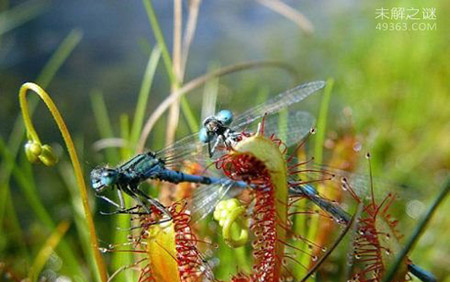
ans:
(37, 152)
(231, 216)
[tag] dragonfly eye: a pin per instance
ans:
(103, 177)
(203, 135)
(109, 177)
(225, 117)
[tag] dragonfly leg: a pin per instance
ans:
(153, 202)
(209, 149)
(120, 208)
(108, 200)
(124, 211)
(120, 196)
(219, 140)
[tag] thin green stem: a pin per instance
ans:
(59, 57)
(125, 135)
(47, 250)
(44, 78)
(330, 250)
(68, 178)
(20, 14)
(29, 191)
(160, 39)
(73, 156)
(417, 232)
(313, 229)
(103, 124)
(144, 93)
(175, 82)
(322, 121)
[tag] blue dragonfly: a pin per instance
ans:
(164, 165)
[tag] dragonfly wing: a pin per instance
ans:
(205, 198)
(188, 148)
(279, 102)
(359, 183)
(291, 129)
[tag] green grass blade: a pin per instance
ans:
(44, 78)
(121, 259)
(15, 142)
(15, 229)
(46, 250)
(318, 153)
(417, 232)
(330, 250)
(21, 14)
(322, 122)
(125, 135)
(160, 39)
(144, 93)
(103, 124)
(188, 113)
(66, 172)
(28, 189)
(186, 109)
(59, 57)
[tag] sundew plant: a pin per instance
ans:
(145, 141)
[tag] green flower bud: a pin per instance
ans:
(231, 216)
(47, 156)
(32, 151)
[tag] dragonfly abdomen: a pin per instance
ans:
(177, 177)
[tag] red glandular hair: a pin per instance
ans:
(191, 266)
(376, 242)
(248, 168)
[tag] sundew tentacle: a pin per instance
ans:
(169, 248)
(259, 161)
(277, 246)
(378, 241)
(175, 245)
(343, 157)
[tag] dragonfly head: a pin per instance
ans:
(225, 117)
(103, 177)
(212, 125)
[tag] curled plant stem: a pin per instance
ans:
(32, 134)
(199, 81)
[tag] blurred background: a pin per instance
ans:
(391, 92)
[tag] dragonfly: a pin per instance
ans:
(217, 128)
(164, 165)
